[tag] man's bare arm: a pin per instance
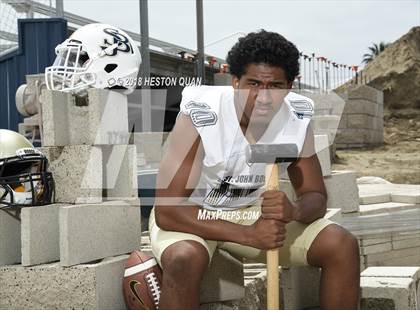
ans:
(306, 177)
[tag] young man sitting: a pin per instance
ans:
(205, 168)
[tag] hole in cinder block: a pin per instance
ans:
(81, 101)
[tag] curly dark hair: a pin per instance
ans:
(264, 47)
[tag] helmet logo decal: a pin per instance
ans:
(123, 44)
(27, 151)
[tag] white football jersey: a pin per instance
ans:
(227, 180)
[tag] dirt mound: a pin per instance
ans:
(396, 71)
(398, 160)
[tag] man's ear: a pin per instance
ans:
(289, 88)
(235, 82)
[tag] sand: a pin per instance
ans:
(398, 160)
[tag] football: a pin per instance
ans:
(141, 283)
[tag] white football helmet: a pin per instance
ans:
(97, 56)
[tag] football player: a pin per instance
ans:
(205, 168)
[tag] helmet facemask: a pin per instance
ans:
(70, 69)
(25, 181)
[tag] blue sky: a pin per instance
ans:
(340, 30)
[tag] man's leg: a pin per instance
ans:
(336, 252)
(183, 264)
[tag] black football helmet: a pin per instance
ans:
(24, 179)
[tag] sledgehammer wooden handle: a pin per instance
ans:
(269, 153)
(273, 278)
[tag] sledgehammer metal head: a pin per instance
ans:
(272, 153)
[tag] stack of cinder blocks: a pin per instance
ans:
(361, 124)
(71, 254)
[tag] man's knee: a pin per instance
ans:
(334, 243)
(185, 259)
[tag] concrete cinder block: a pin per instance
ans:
(323, 153)
(77, 170)
(341, 187)
(54, 105)
(378, 137)
(364, 92)
(375, 122)
(376, 248)
(40, 234)
(300, 287)
(356, 145)
(385, 207)
(358, 121)
(224, 280)
(352, 136)
(383, 259)
(10, 233)
(333, 214)
(81, 172)
(120, 171)
(325, 122)
(406, 243)
(408, 197)
(330, 102)
(150, 145)
(102, 118)
(405, 236)
(94, 286)
(342, 191)
(392, 272)
(331, 133)
(365, 241)
(326, 145)
(403, 193)
(343, 122)
(95, 231)
(359, 106)
(401, 261)
(255, 294)
(108, 118)
(402, 291)
(367, 199)
(223, 305)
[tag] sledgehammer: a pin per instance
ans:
(272, 154)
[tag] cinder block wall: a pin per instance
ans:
(361, 123)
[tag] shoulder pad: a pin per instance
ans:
(302, 107)
(201, 103)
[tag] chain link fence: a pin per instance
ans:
(10, 12)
